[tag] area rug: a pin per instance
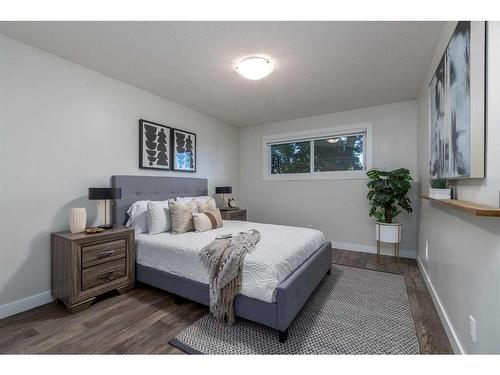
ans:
(353, 311)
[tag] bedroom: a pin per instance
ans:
(260, 187)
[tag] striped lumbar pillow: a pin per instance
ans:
(208, 220)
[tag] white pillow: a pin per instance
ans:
(137, 216)
(158, 217)
(137, 219)
(202, 198)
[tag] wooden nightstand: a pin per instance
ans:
(238, 214)
(86, 265)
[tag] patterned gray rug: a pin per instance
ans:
(353, 311)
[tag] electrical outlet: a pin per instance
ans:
(472, 328)
(427, 251)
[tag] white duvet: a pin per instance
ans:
(281, 250)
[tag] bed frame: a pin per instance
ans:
(291, 294)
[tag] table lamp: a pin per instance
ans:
(105, 194)
(224, 190)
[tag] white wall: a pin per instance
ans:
(463, 264)
(63, 129)
(337, 207)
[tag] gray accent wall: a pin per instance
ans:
(337, 207)
(459, 253)
(64, 128)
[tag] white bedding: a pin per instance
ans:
(281, 250)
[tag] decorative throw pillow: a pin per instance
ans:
(181, 215)
(207, 205)
(158, 217)
(208, 220)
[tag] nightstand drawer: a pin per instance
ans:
(239, 214)
(103, 252)
(103, 273)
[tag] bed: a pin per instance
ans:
(278, 276)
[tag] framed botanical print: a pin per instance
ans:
(183, 151)
(154, 146)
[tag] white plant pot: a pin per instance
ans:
(390, 233)
(77, 219)
(439, 193)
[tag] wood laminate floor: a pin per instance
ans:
(145, 319)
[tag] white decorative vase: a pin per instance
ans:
(390, 233)
(77, 219)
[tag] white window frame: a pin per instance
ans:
(308, 135)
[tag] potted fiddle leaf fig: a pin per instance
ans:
(439, 189)
(388, 196)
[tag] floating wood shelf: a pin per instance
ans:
(472, 208)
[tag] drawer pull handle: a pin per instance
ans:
(105, 275)
(105, 254)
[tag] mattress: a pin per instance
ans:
(281, 250)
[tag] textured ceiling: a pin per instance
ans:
(320, 67)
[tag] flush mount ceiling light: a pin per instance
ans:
(254, 68)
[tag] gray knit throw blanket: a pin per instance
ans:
(224, 259)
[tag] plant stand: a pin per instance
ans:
(389, 233)
(396, 250)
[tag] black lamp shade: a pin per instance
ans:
(223, 189)
(105, 193)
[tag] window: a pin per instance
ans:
(291, 157)
(339, 153)
(342, 152)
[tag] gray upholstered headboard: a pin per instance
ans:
(136, 188)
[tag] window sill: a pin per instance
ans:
(357, 175)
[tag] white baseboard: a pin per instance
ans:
(369, 249)
(448, 327)
(25, 304)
